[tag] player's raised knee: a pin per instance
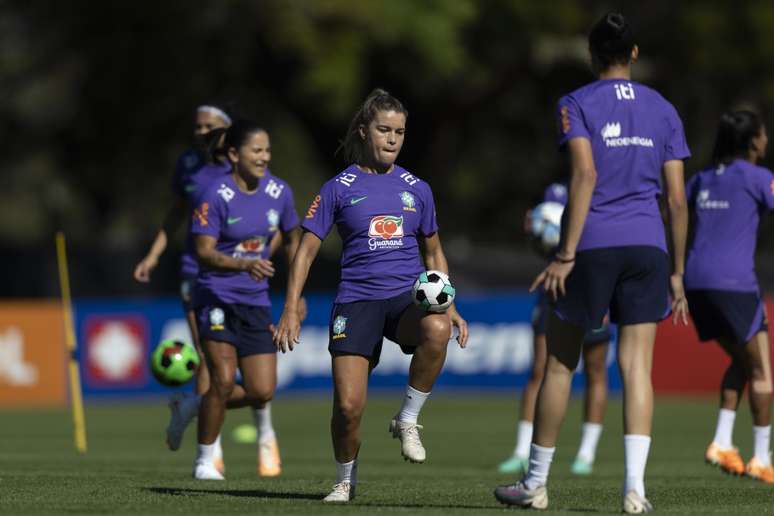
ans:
(436, 328)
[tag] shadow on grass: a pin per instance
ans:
(280, 495)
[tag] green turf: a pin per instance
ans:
(129, 471)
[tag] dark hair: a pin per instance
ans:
(611, 41)
(735, 134)
(235, 136)
(378, 100)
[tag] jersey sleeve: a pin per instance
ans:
(428, 225)
(321, 214)
(765, 188)
(208, 215)
(676, 146)
(571, 121)
(288, 215)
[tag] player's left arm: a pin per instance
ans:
(677, 206)
(290, 241)
(435, 259)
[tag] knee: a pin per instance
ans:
(259, 394)
(596, 374)
(222, 384)
(436, 329)
(349, 410)
(760, 380)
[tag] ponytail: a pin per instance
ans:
(351, 147)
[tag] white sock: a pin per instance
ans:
(412, 404)
(205, 453)
(346, 472)
(589, 440)
(523, 439)
(761, 436)
(218, 452)
(636, 448)
(539, 464)
(263, 424)
(724, 432)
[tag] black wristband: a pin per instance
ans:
(563, 260)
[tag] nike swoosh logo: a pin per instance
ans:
(233, 220)
(355, 201)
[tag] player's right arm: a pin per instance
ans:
(172, 221)
(209, 256)
(288, 331)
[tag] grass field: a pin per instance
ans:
(129, 471)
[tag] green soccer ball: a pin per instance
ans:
(174, 362)
(433, 291)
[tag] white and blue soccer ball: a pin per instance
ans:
(433, 291)
(546, 226)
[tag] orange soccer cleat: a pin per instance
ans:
(269, 459)
(756, 470)
(727, 459)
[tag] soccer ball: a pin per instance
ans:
(433, 291)
(545, 226)
(173, 362)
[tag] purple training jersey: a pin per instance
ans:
(728, 202)
(556, 192)
(379, 217)
(633, 130)
(192, 176)
(243, 224)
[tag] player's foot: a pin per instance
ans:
(633, 503)
(410, 445)
(269, 459)
(206, 471)
(755, 469)
(727, 459)
(341, 493)
(181, 412)
(514, 464)
(219, 465)
(518, 494)
(581, 467)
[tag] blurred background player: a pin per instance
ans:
(722, 288)
(621, 136)
(233, 225)
(383, 214)
(595, 348)
(196, 168)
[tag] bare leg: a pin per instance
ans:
(222, 362)
(202, 373)
(759, 367)
(350, 388)
(529, 396)
(429, 334)
(635, 361)
(595, 364)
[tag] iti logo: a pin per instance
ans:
(217, 318)
(409, 203)
(624, 91)
(611, 130)
(250, 246)
(274, 218)
(225, 192)
(386, 227)
(339, 326)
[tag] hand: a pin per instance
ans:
(553, 277)
(461, 324)
(288, 331)
(679, 302)
(303, 311)
(143, 270)
(259, 269)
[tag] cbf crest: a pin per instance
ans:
(408, 200)
(217, 318)
(339, 327)
(273, 217)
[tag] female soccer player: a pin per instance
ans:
(721, 285)
(233, 226)
(195, 170)
(383, 214)
(595, 348)
(620, 135)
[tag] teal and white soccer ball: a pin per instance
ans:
(546, 226)
(433, 291)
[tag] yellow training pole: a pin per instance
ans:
(79, 421)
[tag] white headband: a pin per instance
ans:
(215, 111)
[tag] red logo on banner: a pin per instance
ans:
(116, 348)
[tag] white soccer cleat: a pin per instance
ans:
(182, 409)
(269, 463)
(633, 503)
(342, 492)
(206, 471)
(410, 445)
(518, 495)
